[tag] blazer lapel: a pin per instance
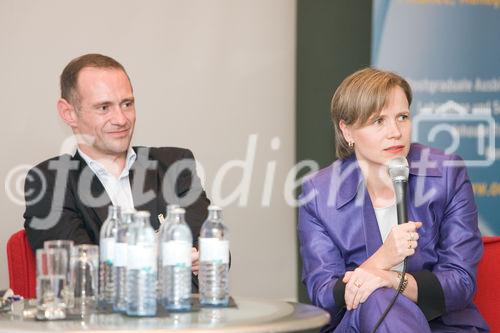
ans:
(352, 191)
(145, 184)
(100, 211)
(96, 191)
(373, 238)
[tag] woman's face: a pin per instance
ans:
(384, 136)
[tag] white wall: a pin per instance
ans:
(206, 74)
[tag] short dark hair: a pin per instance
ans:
(361, 95)
(69, 76)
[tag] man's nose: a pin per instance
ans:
(118, 116)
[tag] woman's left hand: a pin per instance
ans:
(361, 283)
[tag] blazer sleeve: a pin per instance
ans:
(51, 211)
(178, 169)
(196, 212)
(460, 247)
(323, 265)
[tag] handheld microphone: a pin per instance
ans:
(398, 171)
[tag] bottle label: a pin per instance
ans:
(141, 256)
(107, 249)
(214, 250)
(176, 253)
(120, 255)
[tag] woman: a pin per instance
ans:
(351, 245)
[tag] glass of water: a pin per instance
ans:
(66, 245)
(85, 270)
(52, 271)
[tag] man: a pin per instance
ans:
(67, 196)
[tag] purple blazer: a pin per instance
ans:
(338, 230)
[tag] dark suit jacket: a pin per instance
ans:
(66, 200)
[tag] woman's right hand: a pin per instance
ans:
(399, 244)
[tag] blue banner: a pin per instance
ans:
(449, 50)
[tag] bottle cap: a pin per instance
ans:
(179, 211)
(142, 214)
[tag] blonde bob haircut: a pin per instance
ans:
(360, 96)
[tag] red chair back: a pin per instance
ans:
(487, 297)
(22, 265)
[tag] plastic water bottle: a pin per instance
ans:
(163, 227)
(107, 240)
(162, 233)
(120, 261)
(175, 271)
(141, 267)
(214, 260)
(168, 218)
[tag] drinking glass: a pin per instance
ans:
(50, 282)
(85, 269)
(67, 245)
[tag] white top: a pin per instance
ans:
(387, 217)
(118, 189)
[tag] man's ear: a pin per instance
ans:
(346, 131)
(67, 112)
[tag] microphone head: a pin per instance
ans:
(398, 169)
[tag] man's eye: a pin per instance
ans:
(128, 104)
(104, 108)
(403, 117)
(378, 121)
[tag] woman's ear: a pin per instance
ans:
(67, 112)
(346, 131)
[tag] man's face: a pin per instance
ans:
(105, 112)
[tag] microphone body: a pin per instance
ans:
(399, 171)
(400, 188)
